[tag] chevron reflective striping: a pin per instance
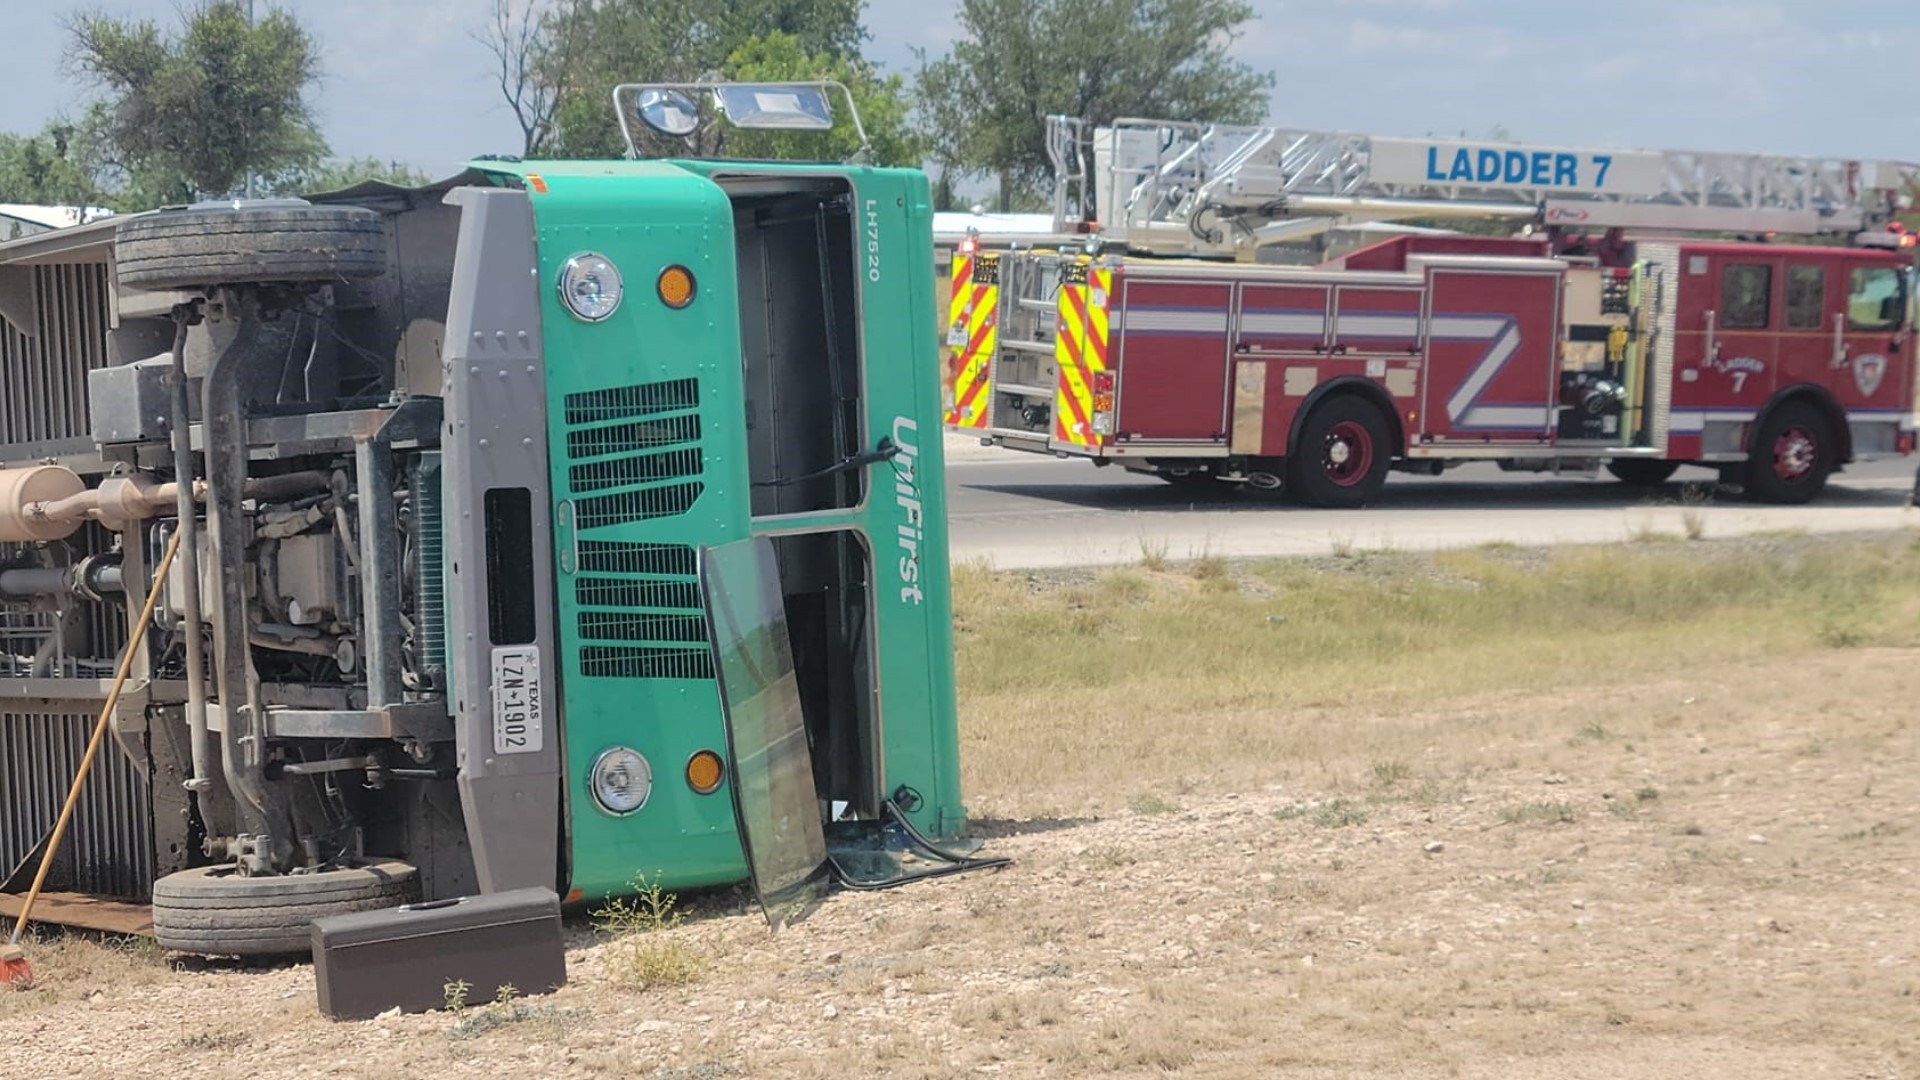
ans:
(1073, 402)
(955, 334)
(1099, 297)
(971, 327)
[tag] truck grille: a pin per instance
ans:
(637, 450)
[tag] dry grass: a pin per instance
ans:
(1625, 813)
(73, 968)
(1215, 671)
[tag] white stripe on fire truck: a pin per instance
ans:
(1505, 417)
(1379, 325)
(1467, 327)
(1252, 322)
(1694, 421)
(1176, 320)
(1490, 363)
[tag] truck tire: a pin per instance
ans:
(214, 911)
(1792, 455)
(197, 249)
(1342, 457)
(1642, 472)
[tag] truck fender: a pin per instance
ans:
(1821, 398)
(1358, 386)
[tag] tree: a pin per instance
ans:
(559, 60)
(882, 103)
(48, 169)
(221, 99)
(73, 162)
(1020, 60)
(536, 49)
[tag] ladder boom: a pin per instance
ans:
(1198, 188)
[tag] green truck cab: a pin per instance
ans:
(598, 537)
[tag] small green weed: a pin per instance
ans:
(1339, 814)
(645, 953)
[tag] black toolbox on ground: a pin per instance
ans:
(371, 961)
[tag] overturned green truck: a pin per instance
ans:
(559, 524)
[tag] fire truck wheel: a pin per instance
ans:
(1792, 455)
(214, 911)
(1342, 457)
(269, 244)
(1639, 472)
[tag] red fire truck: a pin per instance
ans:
(1603, 336)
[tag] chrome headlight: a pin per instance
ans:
(621, 780)
(590, 286)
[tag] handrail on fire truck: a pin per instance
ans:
(1195, 188)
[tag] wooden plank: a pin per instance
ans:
(82, 912)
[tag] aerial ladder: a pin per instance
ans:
(1179, 188)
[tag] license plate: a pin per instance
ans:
(518, 727)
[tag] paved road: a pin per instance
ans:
(1018, 510)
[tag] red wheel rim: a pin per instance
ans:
(1794, 454)
(1348, 455)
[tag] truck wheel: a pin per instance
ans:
(1642, 472)
(215, 911)
(1342, 457)
(1792, 455)
(196, 249)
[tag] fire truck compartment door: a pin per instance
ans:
(1371, 321)
(1174, 361)
(1491, 374)
(770, 766)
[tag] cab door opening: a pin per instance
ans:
(800, 341)
(826, 588)
(794, 663)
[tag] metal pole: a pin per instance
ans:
(249, 120)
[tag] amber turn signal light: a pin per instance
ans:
(704, 772)
(676, 287)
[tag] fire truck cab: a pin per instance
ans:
(1568, 350)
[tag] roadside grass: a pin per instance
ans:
(1158, 673)
(72, 966)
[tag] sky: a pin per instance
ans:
(405, 80)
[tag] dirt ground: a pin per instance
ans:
(1706, 875)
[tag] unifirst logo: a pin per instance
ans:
(907, 494)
